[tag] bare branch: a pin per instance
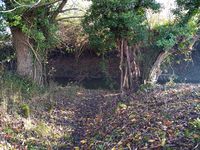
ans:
(70, 9)
(71, 17)
(61, 6)
(29, 5)
(35, 5)
(20, 6)
(47, 4)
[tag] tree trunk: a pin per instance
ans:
(38, 73)
(120, 44)
(29, 63)
(155, 71)
(23, 53)
(128, 65)
(135, 68)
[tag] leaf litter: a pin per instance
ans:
(159, 118)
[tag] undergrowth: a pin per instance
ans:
(15, 83)
(15, 93)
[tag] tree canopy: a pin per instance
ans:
(108, 21)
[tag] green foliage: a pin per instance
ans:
(172, 34)
(196, 124)
(183, 29)
(8, 130)
(197, 108)
(187, 9)
(3, 33)
(37, 24)
(110, 20)
(122, 105)
(193, 131)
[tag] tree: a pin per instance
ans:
(178, 36)
(33, 27)
(123, 24)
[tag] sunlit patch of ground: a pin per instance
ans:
(70, 117)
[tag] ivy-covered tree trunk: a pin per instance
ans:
(23, 53)
(32, 26)
(38, 72)
(29, 64)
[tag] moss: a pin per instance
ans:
(25, 110)
(42, 130)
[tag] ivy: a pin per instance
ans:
(37, 25)
(176, 34)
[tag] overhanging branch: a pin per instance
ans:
(29, 5)
(60, 7)
(71, 17)
(70, 9)
(46, 4)
(20, 5)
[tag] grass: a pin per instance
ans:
(15, 92)
(18, 84)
